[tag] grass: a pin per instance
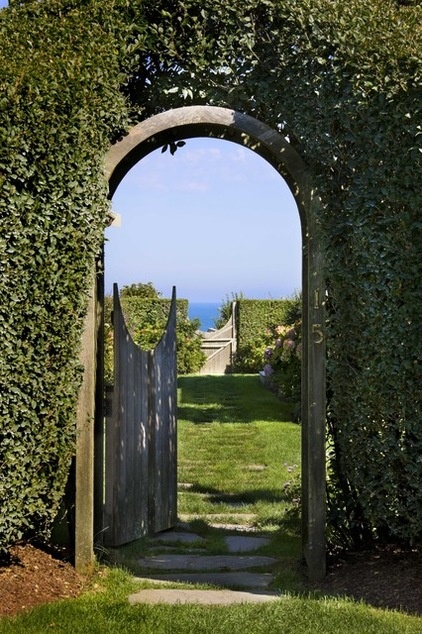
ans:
(105, 610)
(239, 456)
(238, 453)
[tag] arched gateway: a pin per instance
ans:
(206, 121)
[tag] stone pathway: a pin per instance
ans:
(203, 597)
(236, 578)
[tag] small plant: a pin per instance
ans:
(225, 310)
(283, 358)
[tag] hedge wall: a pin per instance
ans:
(58, 104)
(343, 82)
(138, 311)
(253, 318)
(147, 319)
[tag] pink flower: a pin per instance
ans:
(288, 345)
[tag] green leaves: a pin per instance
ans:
(172, 146)
(342, 80)
(52, 209)
(147, 317)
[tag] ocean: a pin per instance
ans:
(206, 312)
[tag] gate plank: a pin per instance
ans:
(219, 347)
(126, 505)
(163, 428)
(141, 435)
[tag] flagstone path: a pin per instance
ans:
(240, 576)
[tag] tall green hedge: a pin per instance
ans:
(147, 319)
(59, 104)
(343, 82)
(139, 310)
(253, 319)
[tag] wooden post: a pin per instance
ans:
(100, 396)
(84, 486)
(313, 407)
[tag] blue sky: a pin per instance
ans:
(214, 219)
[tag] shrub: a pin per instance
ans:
(190, 357)
(146, 315)
(255, 320)
(282, 360)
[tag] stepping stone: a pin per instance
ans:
(203, 562)
(215, 517)
(239, 544)
(240, 579)
(163, 548)
(240, 528)
(201, 597)
(168, 537)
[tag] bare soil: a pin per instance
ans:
(389, 578)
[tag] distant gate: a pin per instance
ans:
(140, 436)
(219, 347)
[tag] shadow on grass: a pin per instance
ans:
(251, 496)
(216, 398)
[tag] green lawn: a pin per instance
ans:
(238, 451)
(238, 454)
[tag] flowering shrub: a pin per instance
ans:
(282, 359)
(253, 319)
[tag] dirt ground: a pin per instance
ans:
(390, 578)
(387, 578)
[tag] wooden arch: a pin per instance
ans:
(222, 123)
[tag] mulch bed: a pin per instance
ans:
(33, 576)
(387, 578)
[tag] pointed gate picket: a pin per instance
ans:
(140, 436)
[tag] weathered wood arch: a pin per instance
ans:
(206, 121)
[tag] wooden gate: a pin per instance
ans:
(219, 347)
(140, 435)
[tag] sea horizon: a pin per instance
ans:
(206, 312)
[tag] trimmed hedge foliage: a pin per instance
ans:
(59, 102)
(343, 81)
(146, 319)
(253, 319)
